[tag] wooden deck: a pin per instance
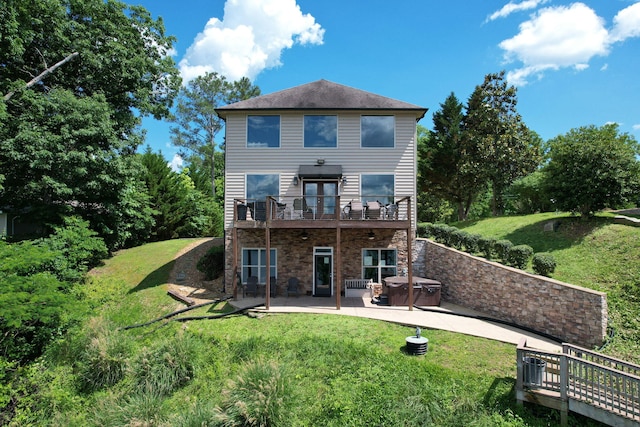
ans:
(581, 381)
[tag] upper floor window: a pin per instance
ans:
(377, 131)
(259, 186)
(320, 131)
(263, 131)
(377, 187)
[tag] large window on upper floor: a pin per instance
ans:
(263, 131)
(320, 131)
(377, 187)
(377, 131)
(259, 186)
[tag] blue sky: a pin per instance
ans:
(574, 63)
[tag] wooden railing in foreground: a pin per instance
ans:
(579, 380)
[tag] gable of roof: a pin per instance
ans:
(321, 95)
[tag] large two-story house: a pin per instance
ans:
(320, 185)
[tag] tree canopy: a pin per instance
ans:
(592, 168)
(197, 123)
(67, 141)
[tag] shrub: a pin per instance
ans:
(212, 263)
(164, 368)
(104, 359)
(486, 246)
(471, 242)
(458, 238)
(502, 249)
(519, 256)
(543, 263)
(424, 229)
(257, 398)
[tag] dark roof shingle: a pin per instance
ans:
(321, 95)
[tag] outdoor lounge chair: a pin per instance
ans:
(301, 210)
(354, 210)
(373, 210)
(292, 286)
(251, 287)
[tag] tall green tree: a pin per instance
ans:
(70, 133)
(447, 165)
(503, 147)
(592, 168)
(197, 123)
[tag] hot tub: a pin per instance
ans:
(426, 292)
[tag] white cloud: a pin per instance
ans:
(512, 7)
(626, 24)
(176, 163)
(554, 38)
(250, 38)
(636, 127)
(565, 36)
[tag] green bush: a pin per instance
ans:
(104, 359)
(543, 263)
(212, 263)
(486, 246)
(424, 229)
(257, 398)
(164, 368)
(519, 256)
(502, 249)
(458, 238)
(471, 242)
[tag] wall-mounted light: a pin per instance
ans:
(371, 235)
(344, 180)
(320, 161)
(304, 236)
(295, 180)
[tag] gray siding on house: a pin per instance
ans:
(285, 160)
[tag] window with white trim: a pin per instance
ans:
(263, 131)
(379, 263)
(320, 131)
(254, 263)
(377, 131)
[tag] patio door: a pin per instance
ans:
(322, 272)
(321, 198)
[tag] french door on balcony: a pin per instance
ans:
(321, 198)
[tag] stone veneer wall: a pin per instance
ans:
(295, 256)
(571, 313)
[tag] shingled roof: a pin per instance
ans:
(321, 95)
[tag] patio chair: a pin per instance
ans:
(373, 210)
(354, 210)
(251, 287)
(392, 211)
(292, 286)
(301, 210)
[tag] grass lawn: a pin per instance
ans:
(277, 369)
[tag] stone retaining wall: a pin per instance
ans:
(571, 313)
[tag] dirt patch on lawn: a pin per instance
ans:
(185, 278)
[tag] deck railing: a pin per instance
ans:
(580, 380)
(285, 208)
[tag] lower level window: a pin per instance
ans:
(379, 263)
(254, 263)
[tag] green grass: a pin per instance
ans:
(597, 254)
(280, 369)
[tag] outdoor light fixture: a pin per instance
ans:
(305, 236)
(371, 236)
(295, 180)
(344, 180)
(320, 161)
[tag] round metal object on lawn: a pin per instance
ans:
(417, 345)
